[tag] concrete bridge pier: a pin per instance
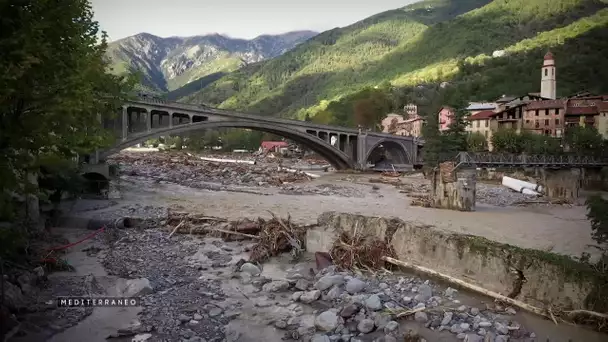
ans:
(563, 184)
(453, 189)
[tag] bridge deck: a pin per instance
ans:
(470, 159)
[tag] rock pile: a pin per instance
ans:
(356, 308)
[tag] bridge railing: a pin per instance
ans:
(473, 159)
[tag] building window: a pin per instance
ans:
(487, 121)
(547, 122)
(536, 124)
(556, 111)
(536, 112)
(477, 124)
(546, 112)
(546, 72)
(527, 121)
(557, 121)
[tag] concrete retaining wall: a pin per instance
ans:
(532, 276)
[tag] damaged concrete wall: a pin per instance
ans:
(532, 276)
(453, 189)
(562, 183)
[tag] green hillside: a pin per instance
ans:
(420, 45)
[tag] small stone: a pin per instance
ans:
(406, 300)
(349, 310)
(421, 317)
(198, 317)
(320, 338)
(327, 321)
(310, 296)
(215, 312)
(296, 295)
(532, 335)
(383, 286)
(465, 326)
(355, 285)
(302, 284)
(511, 311)
(365, 326)
(193, 322)
(251, 269)
(183, 318)
(501, 338)
(473, 338)
(334, 293)
(280, 324)
(447, 318)
(485, 324)
(328, 281)
(455, 329)
(133, 287)
(461, 336)
(425, 291)
(482, 332)
(380, 320)
(474, 311)
(373, 302)
(390, 327)
(462, 308)
(501, 328)
(276, 286)
(449, 292)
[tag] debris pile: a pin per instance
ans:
(190, 171)
(359, 251)
(277, 236)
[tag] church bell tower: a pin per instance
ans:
(548, 84)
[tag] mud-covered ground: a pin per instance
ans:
(192, 289)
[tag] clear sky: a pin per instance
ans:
(235, 18)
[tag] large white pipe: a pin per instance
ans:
(512, 183)
(523, 184)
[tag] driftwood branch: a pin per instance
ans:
(176, 228)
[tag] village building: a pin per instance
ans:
(411, 125)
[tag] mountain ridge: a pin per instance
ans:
(167, 64)
(430, 41)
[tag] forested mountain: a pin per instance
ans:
(427, 43)
(166, 64)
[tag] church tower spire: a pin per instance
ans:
(548, 86)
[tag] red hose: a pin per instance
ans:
(58, 248)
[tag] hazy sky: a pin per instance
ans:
(236, 18)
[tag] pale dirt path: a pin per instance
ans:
(562, 229)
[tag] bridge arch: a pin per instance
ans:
(398, 153)
(334, 156)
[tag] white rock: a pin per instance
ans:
(276, 286)
(133, 287)
(421, 317)
(365, 325)
(328, 281)
(327, 321)
(310, 296)
(251, 269)
(373, 302)
(355, 285)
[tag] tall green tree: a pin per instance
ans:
(584, 140)
(54, 85)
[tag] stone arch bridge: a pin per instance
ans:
(344, 148)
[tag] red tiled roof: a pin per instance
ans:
(545, 104)
(549, 55)
(588, 110)
(484, 114)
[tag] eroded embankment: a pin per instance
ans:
(535, 277)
